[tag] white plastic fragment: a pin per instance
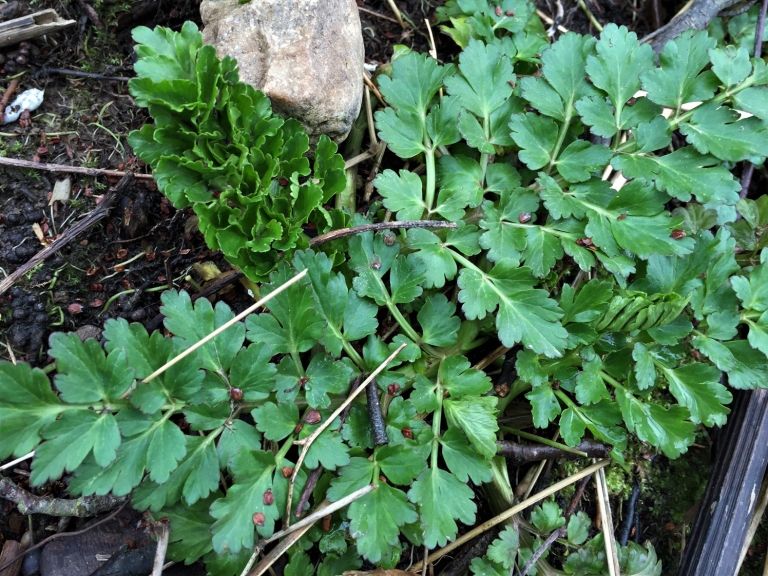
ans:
(27, 100)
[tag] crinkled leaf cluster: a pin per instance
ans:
(217, 146)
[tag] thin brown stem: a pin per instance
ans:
(344, 232)
(16, 163)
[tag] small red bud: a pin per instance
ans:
(621, 217)
(236, 394)
(523, 217)
(407, 433)
(677, 234)
(393, 389)
(510, 13)
(287, 471)
(312, 417)
(258, 519)
(268, 498)
(498, 10)
(283, 181)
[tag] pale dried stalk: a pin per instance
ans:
(221, 329)
(307, 442)
(396, 10)
(548, 20)
(14, 462)
(540, 469)
(163, 532)
(516, 509)
(605, 513)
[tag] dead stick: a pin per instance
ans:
(62, 535)
(78, 74)
(373, 88)
(343, 232)
(81, 507)
(518, 454)
(7, 96)
(71, 233)
(69, 169)
(312, 479)
(375, 415)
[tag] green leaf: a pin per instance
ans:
(578, 528)
(276, 421)
(524, 314)
(697, 387)
(293, 324)
(544, 404)
(484, 80)
(415, 80)
(70, 439)
(85, 373)
(400, 465)
(462, 460)
(352, 477)
(326, 376)
(716, 129)
(190, 530)
(536, 137)
(645, 369)
(402, 193)
(27, 405)
(439, 264)
(564, 67)
(580, 159)
(442, 499)
(461, 380)
(588, 304)
(438, 320)
(476, 416)
(191, 324)
(590, 387)
(548, 516)
(753, 291)
(678, 80)
(376, 518)
(371, 258)
(327, 450)
(252, 372)
(750, 368)
(405, 279)
(619, 62)
(236, 437)
(504, 548)
(683, 173)
(255, 473)
(402, 131)
(730, 64)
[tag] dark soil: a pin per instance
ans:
(118, 268)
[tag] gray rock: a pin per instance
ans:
(88, 331)
(306, 55)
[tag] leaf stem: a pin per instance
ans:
(437, 422)
(429, 197)
(561, 136)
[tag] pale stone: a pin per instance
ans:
(306, 55)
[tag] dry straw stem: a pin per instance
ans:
(514, 510)
(324, 509)
(13, 463)
(221, 329)
(604, 506)
(163, 533)
(307, 442)
(396, 10)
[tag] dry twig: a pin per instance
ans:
(344, 232)
(70, 169)
(163, 533)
